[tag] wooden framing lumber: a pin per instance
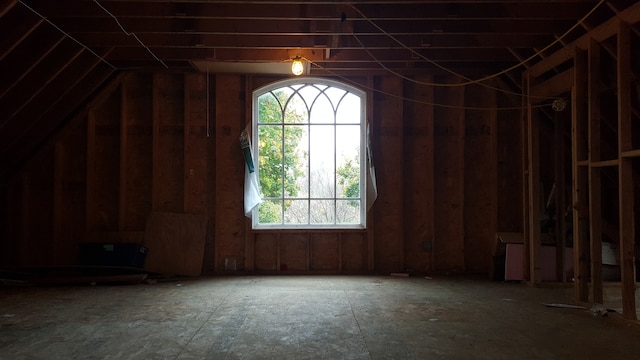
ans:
(630, 153)
(604, 163)
(595, 195)
(558, 84)
(532, 191)
(560, 205)
(524, 136)
(580, 178)
(389, 214)
(533, 165)
(625, 174)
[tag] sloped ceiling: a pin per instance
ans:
(55, 54)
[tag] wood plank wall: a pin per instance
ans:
(168, 142)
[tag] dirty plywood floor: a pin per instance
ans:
(306, 317)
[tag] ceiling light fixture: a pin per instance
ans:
(558, 105)
(297, 68)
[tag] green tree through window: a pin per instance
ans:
(308, 136)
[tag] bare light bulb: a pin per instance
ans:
(297, 68)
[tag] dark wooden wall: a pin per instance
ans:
(449, 177)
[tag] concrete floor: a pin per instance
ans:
(306, 317)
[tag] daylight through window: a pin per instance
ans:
(308, 135)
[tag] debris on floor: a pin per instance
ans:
(397, 274)
(599, 310)
(565, 306)
(596, 309)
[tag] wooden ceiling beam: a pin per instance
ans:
(378, 41)
(23, 79)
(32, 53)
(414, 27)
(6, 5)
(314, 10)
(473, 70)
(52, 91)
(262, 55)
(15, 27)
(39, 78)
(39, 132)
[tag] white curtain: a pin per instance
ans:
(251, 187)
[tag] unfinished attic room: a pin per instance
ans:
(332, 179)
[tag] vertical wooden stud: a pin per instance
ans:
(389, 242)
(229, 175)
(196, 141)
(168, 143)
(124, 129)
(479, 179)
(58, 208)
(493, 182)
(580, 184)
(625, 176)
(418, 177)
(559, 178)
(595, 195)
(526, 238)
(91, 173)
(449, 169)
(533, 149)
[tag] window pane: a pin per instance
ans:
(296, 212)
(309, 93)
(322, 212)
(270, 160)
(349, 110)
(322, 161)
(270, 212)
(296, 161)
(348, 157)
(335, 95)
(269, 109)
(322, 111)
(348, 211)
(295, 110)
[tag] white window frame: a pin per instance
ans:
(363, 151)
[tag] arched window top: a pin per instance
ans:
(319, 83)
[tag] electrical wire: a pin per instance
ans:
(443, 84)
(346, 79)
(68, 35)
(477, 81)
(130, 33)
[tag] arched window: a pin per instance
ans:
(309, 141)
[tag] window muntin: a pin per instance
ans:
(309, 137)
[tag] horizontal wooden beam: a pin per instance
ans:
(559, 84)
(287, 26)
(426, 42)
(314, 54)
(604, 163)
(320, 10)
(630, 153)
(16, 28)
